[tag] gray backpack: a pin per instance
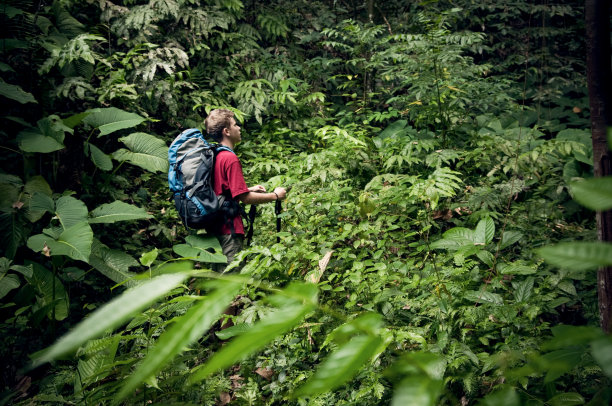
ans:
(190, 177)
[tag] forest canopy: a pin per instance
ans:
(438, 244)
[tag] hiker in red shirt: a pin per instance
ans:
(229, 181)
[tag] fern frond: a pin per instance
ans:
(164, 58)
(443, 182)
(75, 49)
(273, 24)
(165, 8)
(76, 88)
(442, 156)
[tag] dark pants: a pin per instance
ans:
(230, 246)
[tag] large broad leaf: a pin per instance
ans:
(459, 234)
(510, 237)
(393, 130)
(99, 158)
(145, 151)
(450, 244)
(198, 248)
(482, 296)
(13, 233)
(50, 291)
(8, 283)
(109, 120)
(596, 194)
(602, 353)
(113, 314)
(566, 336)
(74, 242)
(76, 119)
(559, 362)
(273, 325)
(566, 399)
(341, 365)
(10, 191)
(578, 255)
(523, 290)
(38, 198)
(184, 331)
(417, 390)
(47, 137)
(485, 230)
(113, 264)
(117, 211)
(16, 93)
(420, 363)
(515, 269)
(34, 141)
(455, 238)
(506, 396)
(39, 204)
(70, 211)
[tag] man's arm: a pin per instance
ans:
(259, 197)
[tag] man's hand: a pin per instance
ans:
(257, 195)
(257, 189)
(281, 193)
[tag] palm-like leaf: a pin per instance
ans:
(184, 331)
(112, 119)
(145, 151)
(113, 314)
(117, 211)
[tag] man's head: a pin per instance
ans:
(217, 121)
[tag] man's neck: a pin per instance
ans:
(227, 143)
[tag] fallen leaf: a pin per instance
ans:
(224, 398)
(265, 373)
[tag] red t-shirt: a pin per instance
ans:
(229, 181)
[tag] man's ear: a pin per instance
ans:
(225, 131)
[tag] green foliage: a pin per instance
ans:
(113, 314)
(197, 249)
(421, 198)
(16, 93)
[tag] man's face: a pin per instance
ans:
(234, 132)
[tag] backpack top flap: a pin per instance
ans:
(182, 146)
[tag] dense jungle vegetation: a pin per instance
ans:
(438, 242)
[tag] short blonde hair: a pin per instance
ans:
(216, 121)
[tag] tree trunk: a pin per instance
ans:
(599, 72)
(370, 9)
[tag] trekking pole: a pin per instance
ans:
(251, 219)
(278, 209)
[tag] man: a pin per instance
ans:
(229, 180)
